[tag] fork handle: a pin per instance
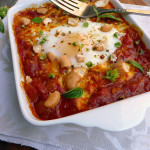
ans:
(124, 11)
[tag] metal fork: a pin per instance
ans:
(84, 10)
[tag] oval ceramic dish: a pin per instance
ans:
(117, 116)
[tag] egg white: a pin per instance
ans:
(63, 43)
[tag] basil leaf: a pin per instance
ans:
(37, 20)
(110, 17)
(3, 11)
(135, 64)
(74, 93)
(1, 26)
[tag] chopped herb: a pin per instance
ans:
(135, 64)
(42, 57)
(57, 7)
(37, 20)
(87, 49)
(112, 75)
(74, 93)
(86, 24)
(43, 40)
(65, 13)
(122, 97)
(141, 51)
(51, 75)
(89, 64)
(137, 42)
(82, 0)
(118, 44)
(3, 11)
(81, 46)
(41, 33)
(116, 35)
(23, 26)
(74, 43)
(2, 28)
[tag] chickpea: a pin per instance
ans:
(53, 100)
(65, 61)
(37, 48)
(72, 22)
(51, 56)
(42, 11)
(106, 28)
(25, 21)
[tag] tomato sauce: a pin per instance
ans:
(102, 91)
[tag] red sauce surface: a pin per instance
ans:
(102, 91)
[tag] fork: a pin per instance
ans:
(84, 10)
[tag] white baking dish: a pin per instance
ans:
(117, 116)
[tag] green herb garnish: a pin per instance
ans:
(122, 97)
(74, 93)
(116, 35)
(37, 20)
(81, 46)
(82, 0)
(118, 44)
(112, 75)
(137, 42)
(2, 29)
(74, 43)
(51, 75)
(41, 33)
(105, 15)
(87, 49)
(43, 40)
(65, 13)
(3, 11)
(141, 51)
(57, 7)
(135, 64)
(86, 24)
(89, 64)
(23, 26)
(43, 57)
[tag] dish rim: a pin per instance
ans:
(76, 118)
